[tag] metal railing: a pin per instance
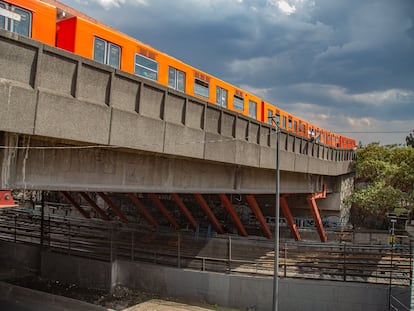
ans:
(109, 241)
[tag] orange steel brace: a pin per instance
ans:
(75, 204)
(256, 210)
(94, 206)
(232, 212)
(288, 215)
(184, 209)
(311, 198)
(141, 208)
(163, 210)
(208, 212)
(112, 206)
(6, 199)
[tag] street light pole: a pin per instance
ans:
(277, 199)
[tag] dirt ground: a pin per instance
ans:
(164, 305)
(121, 299)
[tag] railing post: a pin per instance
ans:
(15, 228)
(229, 253)
(390, 283)
(111, 246)
(285, 252)
(179, 250)
(344, 260)
(132, 246)
(69, 238)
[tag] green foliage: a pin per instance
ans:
(410, 140)
(385, 183)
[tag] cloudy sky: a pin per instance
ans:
(346, 65)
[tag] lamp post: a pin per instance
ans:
(277, 199)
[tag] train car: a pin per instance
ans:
(31, 18)
(285, 120)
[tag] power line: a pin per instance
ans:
(374, 132)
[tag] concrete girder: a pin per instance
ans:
(37, 163)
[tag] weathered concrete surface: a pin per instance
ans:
(51, 165)
(86, 273)
(254, 292)
(18, 298)
(223, 289)
(57, 96)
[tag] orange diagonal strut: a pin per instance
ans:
(208, 212)
(256, 210)
(288, 215)
(233, 214)
(141, 208)
(112, 206)
(75, 204)
(311, 198)
(184, 209)
(94, 205)
(163, 210)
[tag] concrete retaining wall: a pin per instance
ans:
(222, 289)
(19, 298)
(253, 292)
(84, 272)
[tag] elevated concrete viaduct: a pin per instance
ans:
(70, 124)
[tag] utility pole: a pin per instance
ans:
(277, 216)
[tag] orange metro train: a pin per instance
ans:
(56, 24)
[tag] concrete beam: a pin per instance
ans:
(53, 165)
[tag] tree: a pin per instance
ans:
(384, 184)
(410, 140)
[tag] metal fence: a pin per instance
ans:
(109, 241)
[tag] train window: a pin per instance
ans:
(99, 50)
(15, 19)
(106, 52)
(221, 97)
(146, 67)
(284, 122)
(201, 88)
(290, 123)
(238, 103)
(295, 126)
(252, 109)
(277, 119)
(2, 15)
(269, 116)
(176, 79)
(114, 55)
